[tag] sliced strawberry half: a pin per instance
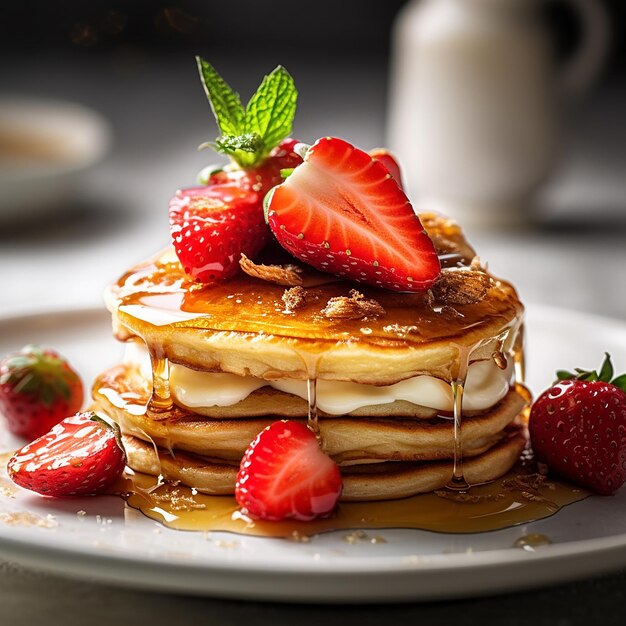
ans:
(342, 212)
(81, 455)
(389, 161)
(284, 474)
(211, 226)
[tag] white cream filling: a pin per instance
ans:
(485, 386)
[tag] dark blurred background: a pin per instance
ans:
(132, 61)
(323, 28)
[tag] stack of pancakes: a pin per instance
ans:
(240, 355)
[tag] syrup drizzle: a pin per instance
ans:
(312, 421)
(311, 362)
(458, 482)
(160, 400)
(518, 355)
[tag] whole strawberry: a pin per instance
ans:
(38, 388)
(212, 226)
(578, 428)
(285, 474)
(80, 456)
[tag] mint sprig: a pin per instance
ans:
(248, 135)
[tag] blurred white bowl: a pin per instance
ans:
(44, 146)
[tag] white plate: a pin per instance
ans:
(116, 544)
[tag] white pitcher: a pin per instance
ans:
(475, 101)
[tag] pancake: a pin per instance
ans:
(242, 326)
(378, 481)
(347, 439)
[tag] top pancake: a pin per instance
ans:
(241, 326)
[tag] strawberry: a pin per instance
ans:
(285, 474)
(383, 156)
(342, 212)
(80, 456)
(224, 217)
(578, 428)
(260, 178)
(38, 388)
(212, 226)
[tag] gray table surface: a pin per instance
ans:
(573, 257)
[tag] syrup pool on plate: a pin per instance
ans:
(517, 498)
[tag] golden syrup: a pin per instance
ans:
(532, 541)
(160, 400)
(312, 417)
(508, 501)
(310, 363)
(518, 355)
(157, 295)
(458, 482)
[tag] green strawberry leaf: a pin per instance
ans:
(225, 103)
(204, 175)
(62, 388)
(107, 425)
(94, 417)
(606, 371)
(586, 375)
(564, 375)
(25, 381)
(271, 109)
(266, 204)
(605, 375)
(620, 382)
(47, 395)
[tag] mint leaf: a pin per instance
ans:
(225, 103)
(272, 108)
